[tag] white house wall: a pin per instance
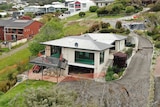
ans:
(99, 66)
(69, 54)
(119, 45)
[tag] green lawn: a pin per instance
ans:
(5, 99)
(75, 29)
(14, 58)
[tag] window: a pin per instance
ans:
(84, 5)
(55, 51)
(101, 57)
(71, 5)
(84, 57)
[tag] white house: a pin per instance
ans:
(87, 53)
(102, 3)
(80, 5)
(113, 39)
(44, 9)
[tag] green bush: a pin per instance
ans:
(118, 25)
(94, 28)
(156, 37)
(129, 52)
(106, 30)
(157, 44)
(129, 9)
(82, 14)
(93, 8)
(156, 7)
(111, 71)
(105, 25)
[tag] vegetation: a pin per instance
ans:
(113, 73)
(19, 91)
(156, 7)
(93, 8)
(153, 27)
(52, 30)
(129, 52)
(11, 66)
(82, 14)
(31, 15)
(118, 25)
(119, 7)
(6, 6)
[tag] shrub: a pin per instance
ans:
(101, 12)
(94, 28)
(105, 30)
(156, 37)
(105, 25)
(113, 73)
(157, 44)
(129, 9)
(93, 8)
(129, 52)
(156, 7)
(118, 25)
(82, 14)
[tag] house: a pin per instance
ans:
(102, 3)
(80, 5)
(44, 9)
(14, 30)
(84, 54)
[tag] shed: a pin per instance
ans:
(120, 59)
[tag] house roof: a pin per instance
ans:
(79, 42)
(107, 38)
(15, 23)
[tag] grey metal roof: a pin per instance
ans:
(46, 61)
(107, 38)
(79, 42)
(15, 23)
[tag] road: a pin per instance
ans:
(130, 91)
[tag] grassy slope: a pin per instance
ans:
(4, 99)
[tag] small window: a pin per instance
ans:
(101, 57)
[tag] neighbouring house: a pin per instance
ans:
(80, 5)
(44, 9)
(15, 30)
(17, 14)
(102, 3)
(84, 54)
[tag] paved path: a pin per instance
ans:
(12, 51)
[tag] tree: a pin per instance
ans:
(129, 9)
(118, 25)
(82, 14)
(52, 30)
(93, 8)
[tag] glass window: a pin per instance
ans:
(101, 57)
(84, 57)
(83, 5)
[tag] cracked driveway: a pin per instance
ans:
(130, 91)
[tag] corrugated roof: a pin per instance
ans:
(79, 42)
(15, 23)
(107, 38)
